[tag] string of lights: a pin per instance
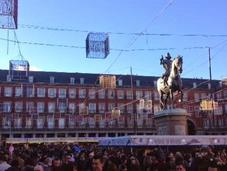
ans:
(112, 49)
(37, 27)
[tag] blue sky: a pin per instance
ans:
(175, 17)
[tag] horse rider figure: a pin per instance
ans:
(167, 62)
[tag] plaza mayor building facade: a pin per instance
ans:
(58, 104)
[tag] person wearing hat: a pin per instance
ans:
(167, 62)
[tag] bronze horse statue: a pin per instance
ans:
(174, 83)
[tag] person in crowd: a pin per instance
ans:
(97, 163)
(180, 167)
(4, 165)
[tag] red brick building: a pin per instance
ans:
(58, 104)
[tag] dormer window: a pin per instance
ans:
(155, 83)
(51, 79)
(220, 84)
(8, 78)
(137, 83)
(120, 82)
(81, 81)
(209, 86)
(194, 85)
(72, 80)
(30, 79)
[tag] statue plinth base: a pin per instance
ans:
(171, 122)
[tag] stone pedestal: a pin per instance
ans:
(171, 122)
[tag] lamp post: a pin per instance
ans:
(135, 114)
(210, 87)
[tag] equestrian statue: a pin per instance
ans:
(170, 81)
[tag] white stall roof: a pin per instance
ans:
(171, 140)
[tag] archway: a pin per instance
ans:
(191, 127)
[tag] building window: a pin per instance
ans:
(51, 107)
(62, 93)
(7, 107)
(82, 81)
(225, 108)
(30, 107)
(155, 83)
(101, 93)
(62, 107)
(18, 91)
(72, 108)
(203, 96)
(209, 86)
(101, 107)
(71, 122)
(148, 95)
(61, 123)
(120, 82)
(185, 97)
(225, 94)
(30, 92)
(220, 122)
(51, 79)
(50, 121)
(196, 97)
(111, 94)
(156, 108)
(17, 123)
(120, 94)
(121, 106)
(28, 123)
(156, 95)
(194, 85)
(40, 107)
(18, 106)
(91, 122)
(137, 83)
(111, 106)
(83, 109)
(8, 78)
(218, 95)
(82, 93)
(139, 94)
(51, 92)
(92, 107)
(206, 123)
(130, 108)
(30, 79)
(6, 122)
(8, 91)
(40, 92)
(218, 110)
(129, 94)
(190, 109)
(91, 93)
(72, 80)
(196, 111)
(72, 93)
(40, 123)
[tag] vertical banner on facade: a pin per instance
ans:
(107, 81)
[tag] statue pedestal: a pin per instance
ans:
(171, 122)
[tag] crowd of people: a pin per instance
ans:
(91, 157)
